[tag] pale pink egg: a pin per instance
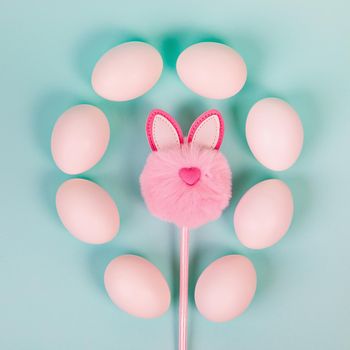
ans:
(264, 214)
(274, 133)
(212, 70)
(137, 287)
(87, 211)
(127, 71)
(226, 288)
(79, 139)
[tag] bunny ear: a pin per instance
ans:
(163, 131)
(207, 130)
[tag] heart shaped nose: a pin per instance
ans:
(190, 176)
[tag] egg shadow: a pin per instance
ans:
(239, 107)
(264, 266)
(243, 179)
(92, 46)
(173, 43)
(303, 191)
(45, 113)
(312, 118)
(252, 52)
(203, 254)
(188, 111)
(47, 187)
(99, 257)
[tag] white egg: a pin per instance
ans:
(274, 133)
(212, 70)
(226, 288)
(264, 214)
(87, 211)
(79, 139)
(127, 71)
(137, 287)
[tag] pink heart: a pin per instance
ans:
(190, 176)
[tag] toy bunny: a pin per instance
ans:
(186, 181)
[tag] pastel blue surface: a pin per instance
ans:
(51, 289)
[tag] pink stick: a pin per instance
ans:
(183, 298)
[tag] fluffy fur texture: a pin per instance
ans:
(171, 199)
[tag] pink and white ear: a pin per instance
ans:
(207, 130)
(163, 131)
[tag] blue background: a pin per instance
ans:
(51, 289)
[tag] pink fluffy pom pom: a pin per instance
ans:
(187, 185)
